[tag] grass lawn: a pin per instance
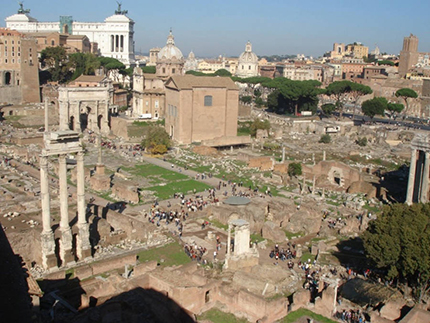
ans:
(306, 256)
(294, 316)
(216, 316)
(256, 238)
(154, 172)
(173, 255)
(166, 191)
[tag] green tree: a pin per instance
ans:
(405, 94)
(110, 64)
(395, 108)
(148, 69)
(257, 93)
(259, 124)
(222, 72)
(259, 102)
(386, 62)
(293, 96)
(398, 241)
(375, 106)
(362, 142)
(55, 59)
(325, 139)
(294, 169)
(246, 99)
(155, 138)
(83, 64)
(358, 90)
(339, 90)
(328, 108)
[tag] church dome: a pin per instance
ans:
(170, 51)
(248, 56)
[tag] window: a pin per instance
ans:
(164, 70)
(208, 100)
(52, 42)
(173, 71)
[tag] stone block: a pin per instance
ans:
(83, 272)
(100, 182)
(272, 232)
(145, 267)
(314, 250)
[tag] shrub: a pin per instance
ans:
(325, 139)
(294, 169)
(362, 142)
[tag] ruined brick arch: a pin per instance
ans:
(336, 176)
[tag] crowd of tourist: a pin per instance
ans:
(195, 252)
(350, 316)
(284, 254)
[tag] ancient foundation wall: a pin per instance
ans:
(119, 127)
(10, 94)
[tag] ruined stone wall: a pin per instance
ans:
(119, 127)
(330, 169)
(244, 111)
(10, 94)
(254, 306)
(263, 163)
(133, 228)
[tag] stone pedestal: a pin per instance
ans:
(49, 260)
(83, 246)
(100, 169)
(66, 239)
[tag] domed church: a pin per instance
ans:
(170, 60)
(248, 63)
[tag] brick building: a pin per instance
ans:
(19, 75)
(201, 108)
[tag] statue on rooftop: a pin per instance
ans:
(119, 11)
(21, 8)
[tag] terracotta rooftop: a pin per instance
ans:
(190, 81)
(89, 78)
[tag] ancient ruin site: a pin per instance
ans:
(95, 229)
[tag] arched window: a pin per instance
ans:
(52, 42)
(208, 100)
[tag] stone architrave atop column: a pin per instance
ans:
(66, 233)
(425, 183)
(411, 180)
(49, 259)
(83, 246)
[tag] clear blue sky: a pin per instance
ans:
(211, 28)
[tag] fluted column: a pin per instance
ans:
(83, 246)
(47, 237)
(411, 180)
(425, 180)
(66, 234)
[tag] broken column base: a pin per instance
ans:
(100, 169)
(49, 259)
(83, 246)
(85, 254)
(66, 254)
